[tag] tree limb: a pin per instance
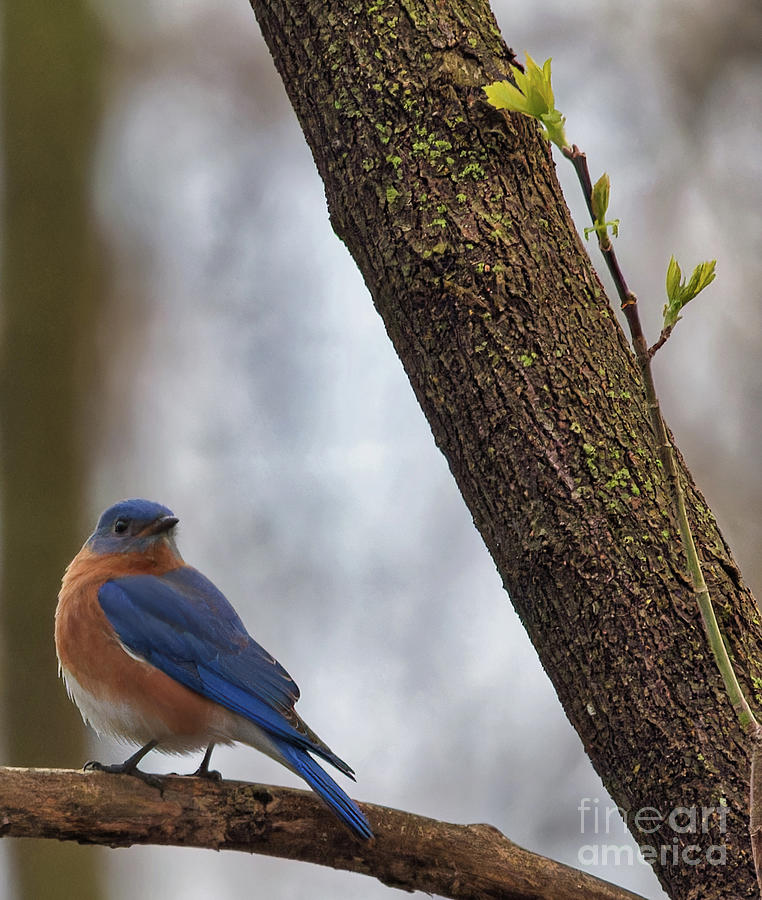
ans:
(410, 852)
(454, 215)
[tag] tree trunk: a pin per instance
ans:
(455, 218)
(51, 66)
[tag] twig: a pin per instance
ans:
(643, 356)
(663, 338)
(755, 804)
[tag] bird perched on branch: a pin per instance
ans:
(152, 653)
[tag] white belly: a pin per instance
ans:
(127, 724)
(130, 725)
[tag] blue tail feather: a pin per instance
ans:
(322, 783)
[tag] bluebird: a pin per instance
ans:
(153, 654)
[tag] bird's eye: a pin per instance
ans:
(121, 525)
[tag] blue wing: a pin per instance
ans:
(182, 624)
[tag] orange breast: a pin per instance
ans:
(117, 693)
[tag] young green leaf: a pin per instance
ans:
(680, 292)
(531, 95)
(599, 204)
(504, 95)
(599, 199)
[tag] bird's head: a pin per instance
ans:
(133, 526)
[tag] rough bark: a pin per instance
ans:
(455, 218)
(410, 852)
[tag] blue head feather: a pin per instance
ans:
(131, 526)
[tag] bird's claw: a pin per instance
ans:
(209, 774)
(154, 781)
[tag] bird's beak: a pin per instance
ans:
(160, 525)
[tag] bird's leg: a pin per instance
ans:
(203, 771)
(129, 766)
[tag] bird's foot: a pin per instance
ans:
(155, 781)
(204, 772)
(201, 772)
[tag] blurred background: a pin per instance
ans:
(179, 322)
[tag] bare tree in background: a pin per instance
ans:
(52, 282)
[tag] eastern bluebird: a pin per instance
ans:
(153, 654)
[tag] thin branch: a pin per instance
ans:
(755, 803)
(410, 852)
(629, 303)
(663, 338)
